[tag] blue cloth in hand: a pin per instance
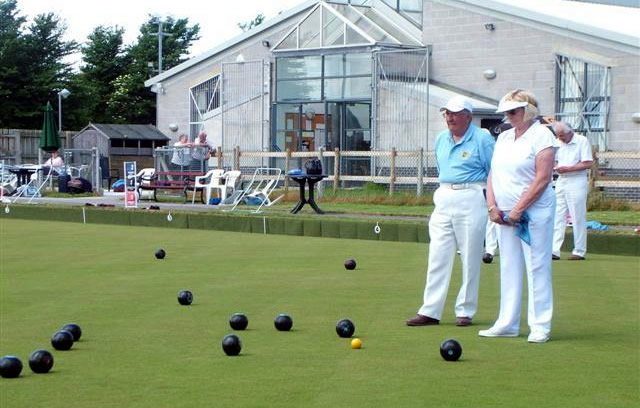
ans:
(522, 227)
(595, 225)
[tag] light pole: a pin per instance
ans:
(63, 94)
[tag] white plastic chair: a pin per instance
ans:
(229, 187)
(210, 181)
(78, 171)
(143, 178)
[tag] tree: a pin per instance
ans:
(10, 60)
(110, 84)
(131, 101)
(104, 60)
(32, 67)
(253, 23)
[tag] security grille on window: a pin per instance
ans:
(584, 97)
(203, 98)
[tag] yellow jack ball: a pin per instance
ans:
(356, 343)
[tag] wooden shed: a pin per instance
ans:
(120, 143)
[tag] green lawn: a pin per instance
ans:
(139, 348)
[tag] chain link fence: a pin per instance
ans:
(181, 158)
(617, 175)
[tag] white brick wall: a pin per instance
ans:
(524, 57)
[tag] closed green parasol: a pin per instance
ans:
(49, 141)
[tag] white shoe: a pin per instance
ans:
(538, 337)
(496, 332)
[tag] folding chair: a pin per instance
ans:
(263, 182)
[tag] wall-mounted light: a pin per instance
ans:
(489, 73)
(266, 43)
(636, 117)
(173, 127)
(240, 58)
(489, 26)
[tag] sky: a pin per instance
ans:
(218, 19)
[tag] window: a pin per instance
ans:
(352, 2)
(352, 23)
(299, 67)
(316, 78)
(411, 9)
(299, 78)
(347, 76)
(584, 97)
(203, 98)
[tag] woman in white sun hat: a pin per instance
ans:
(519, 189)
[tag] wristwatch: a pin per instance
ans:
(491, 208)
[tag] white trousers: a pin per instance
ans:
(517, 256)
(491, 238)
(571, 197)
(458, 222)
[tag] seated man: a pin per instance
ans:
(54, 165)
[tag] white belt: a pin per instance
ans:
(464, 186)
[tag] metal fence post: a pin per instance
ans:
(97, 171)
(18, 148)
(287, 163)
(321, 183)
(593, 174)
(420, 172)
(236, 158)
(392, 178)
(219, 157)
(336, 171)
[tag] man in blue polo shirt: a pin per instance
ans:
(463, 155)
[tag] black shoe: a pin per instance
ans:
(555, 257)
(487, 258)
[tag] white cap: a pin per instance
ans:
(505, 106)
(457, 104)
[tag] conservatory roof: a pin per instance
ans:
(330, 25)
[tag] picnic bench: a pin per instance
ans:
(169, 180)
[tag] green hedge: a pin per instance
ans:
(315, 226)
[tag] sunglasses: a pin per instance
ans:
(512, 111)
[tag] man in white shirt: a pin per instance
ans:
(573, 161)
(203, 147)
(181, 157)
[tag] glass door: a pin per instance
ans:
(300, 127)
(349, 128)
